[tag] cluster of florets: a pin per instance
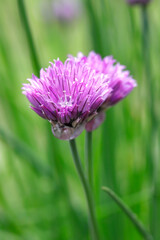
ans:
(73, 95)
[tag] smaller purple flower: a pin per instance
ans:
(63, 11)
(66, 10)
(143, 2)
(73, 95)
(120, 82)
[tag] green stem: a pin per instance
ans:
(147, 64)
(141, 229)
(77, 162)
(23, 15)
(89, 161)
(152, 162)
(94, 26)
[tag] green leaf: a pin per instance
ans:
(137, 223)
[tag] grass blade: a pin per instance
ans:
(129, 214)
(31, 45)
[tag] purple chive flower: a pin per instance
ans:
(73, 95)
(66, 10)
(143, 2)
(120, 82)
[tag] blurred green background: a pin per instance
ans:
(41, 197)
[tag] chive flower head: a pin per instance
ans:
(73, 95)
(120, 82)
(66, 10)
(62, 11)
